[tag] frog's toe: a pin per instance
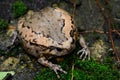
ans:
(84, 53)
(57, 68)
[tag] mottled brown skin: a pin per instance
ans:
(48, 33)
(42, 34)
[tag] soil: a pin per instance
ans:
(87, 18)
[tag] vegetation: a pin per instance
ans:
(3, 24)
(19, 9)
(83, 70)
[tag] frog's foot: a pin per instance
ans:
(84, 53)
(56, 68)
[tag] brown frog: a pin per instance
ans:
(48, 33)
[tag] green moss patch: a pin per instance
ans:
(83, 70)
(19, 9)
(3, 24)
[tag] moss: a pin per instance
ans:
(83, 70)
(3, 24)
(93, 70)
(19, 9)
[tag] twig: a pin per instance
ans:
(74, 7)
(110, 34)
(101, 32)
(117, 32)
(116, 19)
(72, 70)
(106, 16)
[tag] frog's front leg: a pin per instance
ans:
(85, 51)
(52, 66)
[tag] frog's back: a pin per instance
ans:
(49, 27)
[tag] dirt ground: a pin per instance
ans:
(87, 17)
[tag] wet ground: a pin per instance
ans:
(87, 17)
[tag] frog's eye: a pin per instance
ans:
(59, 49)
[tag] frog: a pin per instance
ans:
(49, 33)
